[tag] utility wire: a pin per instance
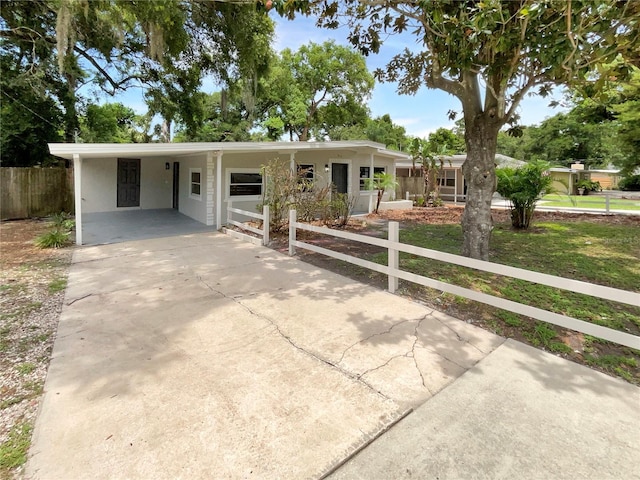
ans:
(36, 114)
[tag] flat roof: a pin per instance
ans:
(98, 150)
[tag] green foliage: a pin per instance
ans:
(523, 187)
(315, 89)
(381, 182)
(630, 183)
(429, 155)
(589, 185)
(55, 238)
(13, 452)
(109, 123)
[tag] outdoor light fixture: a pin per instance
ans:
(167, 166)
(326, 168)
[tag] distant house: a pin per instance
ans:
(566, 179)
(452, 183)
(200, 179)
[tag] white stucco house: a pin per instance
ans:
(199, 179)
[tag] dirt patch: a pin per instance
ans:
(32, 284)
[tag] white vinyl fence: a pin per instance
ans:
(392, 270)
(264, 232)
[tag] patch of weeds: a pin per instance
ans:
(13, 452)
(55, 238)
(36, 387)
(57, 285)
(11, 401)
(612, 363)
(26, 368)
(511, 319)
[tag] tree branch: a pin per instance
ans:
(114, 84)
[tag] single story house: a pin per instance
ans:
(452, 183)
(199, 179)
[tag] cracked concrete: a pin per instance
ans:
(200, 356)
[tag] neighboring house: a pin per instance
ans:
(608, 177)
(452, 183)
(199, 179)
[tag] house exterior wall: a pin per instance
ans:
(100, 184)
(243, 162)
(193, 206)
(608, 181)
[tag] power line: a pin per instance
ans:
(35, 113)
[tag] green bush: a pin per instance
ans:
(56, 238)
(630, 183)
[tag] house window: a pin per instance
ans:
(195, 179)
(305, 173)
(447, 178)
(364, 175)
(245, 183)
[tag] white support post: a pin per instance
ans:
(371, 200)
(455, 186)
(229, 214)
(219, 190)
(77, 186)
(407, 196)
(394, 255)
(265, 225)
(292, 231)
(606, 202)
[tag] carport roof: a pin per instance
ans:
(99, 150)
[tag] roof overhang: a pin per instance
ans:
(110, 150)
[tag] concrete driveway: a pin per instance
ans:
(200, 356)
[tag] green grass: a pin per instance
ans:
(57, 285)
(592, 252)
(13, 452)
(589, 201)
(26, 368)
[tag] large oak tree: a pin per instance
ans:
(489, 54)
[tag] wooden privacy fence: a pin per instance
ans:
(263, 232)
(392, 270)
(35, 192)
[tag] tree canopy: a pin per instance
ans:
(489, 54)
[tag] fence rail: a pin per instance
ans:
(392, 270)
(263, 232)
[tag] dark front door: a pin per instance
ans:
(176, 184)
(339, 176)
(128, 182)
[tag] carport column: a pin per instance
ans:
(292, 162)
(219, 190)
(77, 190)
(455, 186)
(371, 207)
(209, 189)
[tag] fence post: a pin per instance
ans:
(393, 255)
(406, 197)
(229, 205)
(606, 201)
(292, 231)
(265, 225)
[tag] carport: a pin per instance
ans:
(198, 180)
(115, 227)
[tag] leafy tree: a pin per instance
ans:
(627, 110)
(524, 187)
(316, 88)
(446, 141)
(108, 123)
(379, 129)
(489, 54)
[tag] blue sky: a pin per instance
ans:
(420, 114)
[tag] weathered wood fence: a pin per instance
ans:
(35, 192)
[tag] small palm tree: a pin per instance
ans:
(523, 187)
(381, 182)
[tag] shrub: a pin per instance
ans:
(630, 183)
(523, 187)
(56, 238)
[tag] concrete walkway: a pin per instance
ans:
(200, 356)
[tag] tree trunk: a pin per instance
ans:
(165, 131)
(479, 171)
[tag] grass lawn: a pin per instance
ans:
(597, 253)
(589, 201)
